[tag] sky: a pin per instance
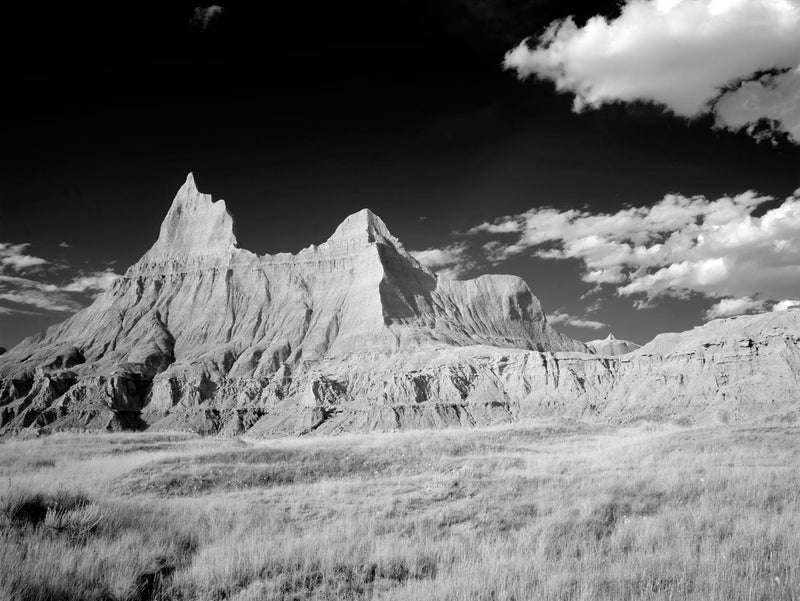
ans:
(636, 162)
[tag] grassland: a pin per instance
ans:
(540, 511)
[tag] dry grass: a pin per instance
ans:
(545, 511)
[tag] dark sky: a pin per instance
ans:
(300, 116)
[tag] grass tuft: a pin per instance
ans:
(30, 507)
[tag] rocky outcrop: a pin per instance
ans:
(199, 326)
(727, 370)
(355, 334)
(735, 368)
(612, 346)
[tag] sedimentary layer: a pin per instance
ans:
(355, 334)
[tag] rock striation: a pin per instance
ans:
(355, 334)
(612, 346)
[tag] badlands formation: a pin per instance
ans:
(355, 334)
(612, 346)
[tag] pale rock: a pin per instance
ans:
(355, 334)
(612, 346)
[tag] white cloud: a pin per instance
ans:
(679, 246)
(691, 56)
(560, 318)
(13, 257)
(203, 16)
(59, 298)
(774, 98)
(27, 293)
(30, 293)
(507, 226)
(785, 305)
(94, 282)
(10, 311)
(449, 262)
(734, 306)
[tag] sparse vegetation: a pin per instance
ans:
(548, 511)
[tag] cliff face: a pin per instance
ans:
(727, 370)
(735, 368)
(199, 326)
(354, 334)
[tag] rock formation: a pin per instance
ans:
(612, 346)
(355, 334)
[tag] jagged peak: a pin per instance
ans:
(194, 225)
(190, 181)
(198, 226)
(363, 226)
(611, 345)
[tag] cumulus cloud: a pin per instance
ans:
(677, 247)
(734, 306)
(693, 57)
(771, 103)
(203, 16)
(785, 305)
(558, 317)
(448, 262)
(13, 258)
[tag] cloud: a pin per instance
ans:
(203, 16)
(94, 282)
(773, 102)
(64, 245)
(677, 247)
(449, 262)
(693, 57)
(58, 298)
(738, 306)
(508, 226)
(31, 293)
(10, 311)
(785, 305)
(13, 258)
(734, 306)
(560, 318)
(25, 293)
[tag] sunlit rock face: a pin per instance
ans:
(200, 331)
(728, 369)
(356, 335)
(611, 346)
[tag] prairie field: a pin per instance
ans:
(546, 510)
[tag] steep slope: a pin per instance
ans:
(354, 334)
(197, 317)
(612, 346)
(727, 370)
(733, 368)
